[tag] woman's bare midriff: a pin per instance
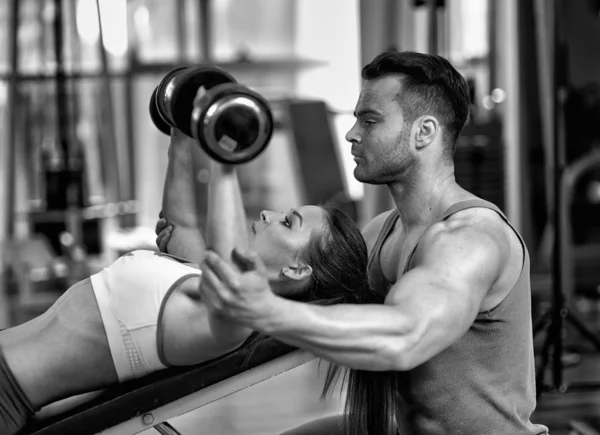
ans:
(63, 352)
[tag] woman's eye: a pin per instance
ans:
(287, 222)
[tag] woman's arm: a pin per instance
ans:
(179, 203)
(226, 225)
(226, 228)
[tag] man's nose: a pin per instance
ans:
(352, 135)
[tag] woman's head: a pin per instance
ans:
(338, 257)
(312, 253)
(318, 255)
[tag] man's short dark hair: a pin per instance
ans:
(431, 85)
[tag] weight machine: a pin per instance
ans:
(563, 180)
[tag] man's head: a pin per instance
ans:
(313, 253)
(411, 110)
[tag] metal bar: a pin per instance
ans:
(291, 64)
(509, 12)
(204, 10)
(433, 27)
(492, 19)
(542, 322)
(541, 368)
(62, 119)
(391, 25)
(560, 248)
(130, 220)
(11, 121)
(129, 96)
(181, 30)
(543, 19)
(108, 99)
(166, 429)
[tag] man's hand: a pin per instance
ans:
(241, 294)
(163, 232)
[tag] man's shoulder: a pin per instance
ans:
(475, 219)
(477, 226)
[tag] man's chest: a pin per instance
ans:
(396, 252)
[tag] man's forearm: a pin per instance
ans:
(366, 337)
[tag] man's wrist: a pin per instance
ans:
(274, 317)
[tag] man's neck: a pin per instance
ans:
(422, 199)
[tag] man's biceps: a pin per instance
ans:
(471, 284)
(433, 287)
(462, 301)
(410, 289)
(473, 272)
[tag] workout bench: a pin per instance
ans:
(149, 402)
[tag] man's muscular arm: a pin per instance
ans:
(429, 308)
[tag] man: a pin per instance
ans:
(455, 328)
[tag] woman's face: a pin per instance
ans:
(278, 238)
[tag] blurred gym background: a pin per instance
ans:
(83, 166)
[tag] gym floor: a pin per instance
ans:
(293, 398)
(556, 410)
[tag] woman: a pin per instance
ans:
(144, 312)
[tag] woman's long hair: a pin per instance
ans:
(339, 259)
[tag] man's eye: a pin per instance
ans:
(368, 122)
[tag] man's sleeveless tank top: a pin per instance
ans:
(485, 382)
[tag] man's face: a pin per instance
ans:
(380, 140)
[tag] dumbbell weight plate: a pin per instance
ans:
(158, 120)
(232, 123)
(172, 101)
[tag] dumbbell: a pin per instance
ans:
(232, 123)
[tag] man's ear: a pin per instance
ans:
(427, 129)
(297, 273)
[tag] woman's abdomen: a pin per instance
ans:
(64, 351)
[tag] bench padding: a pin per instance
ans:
(126, 401)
